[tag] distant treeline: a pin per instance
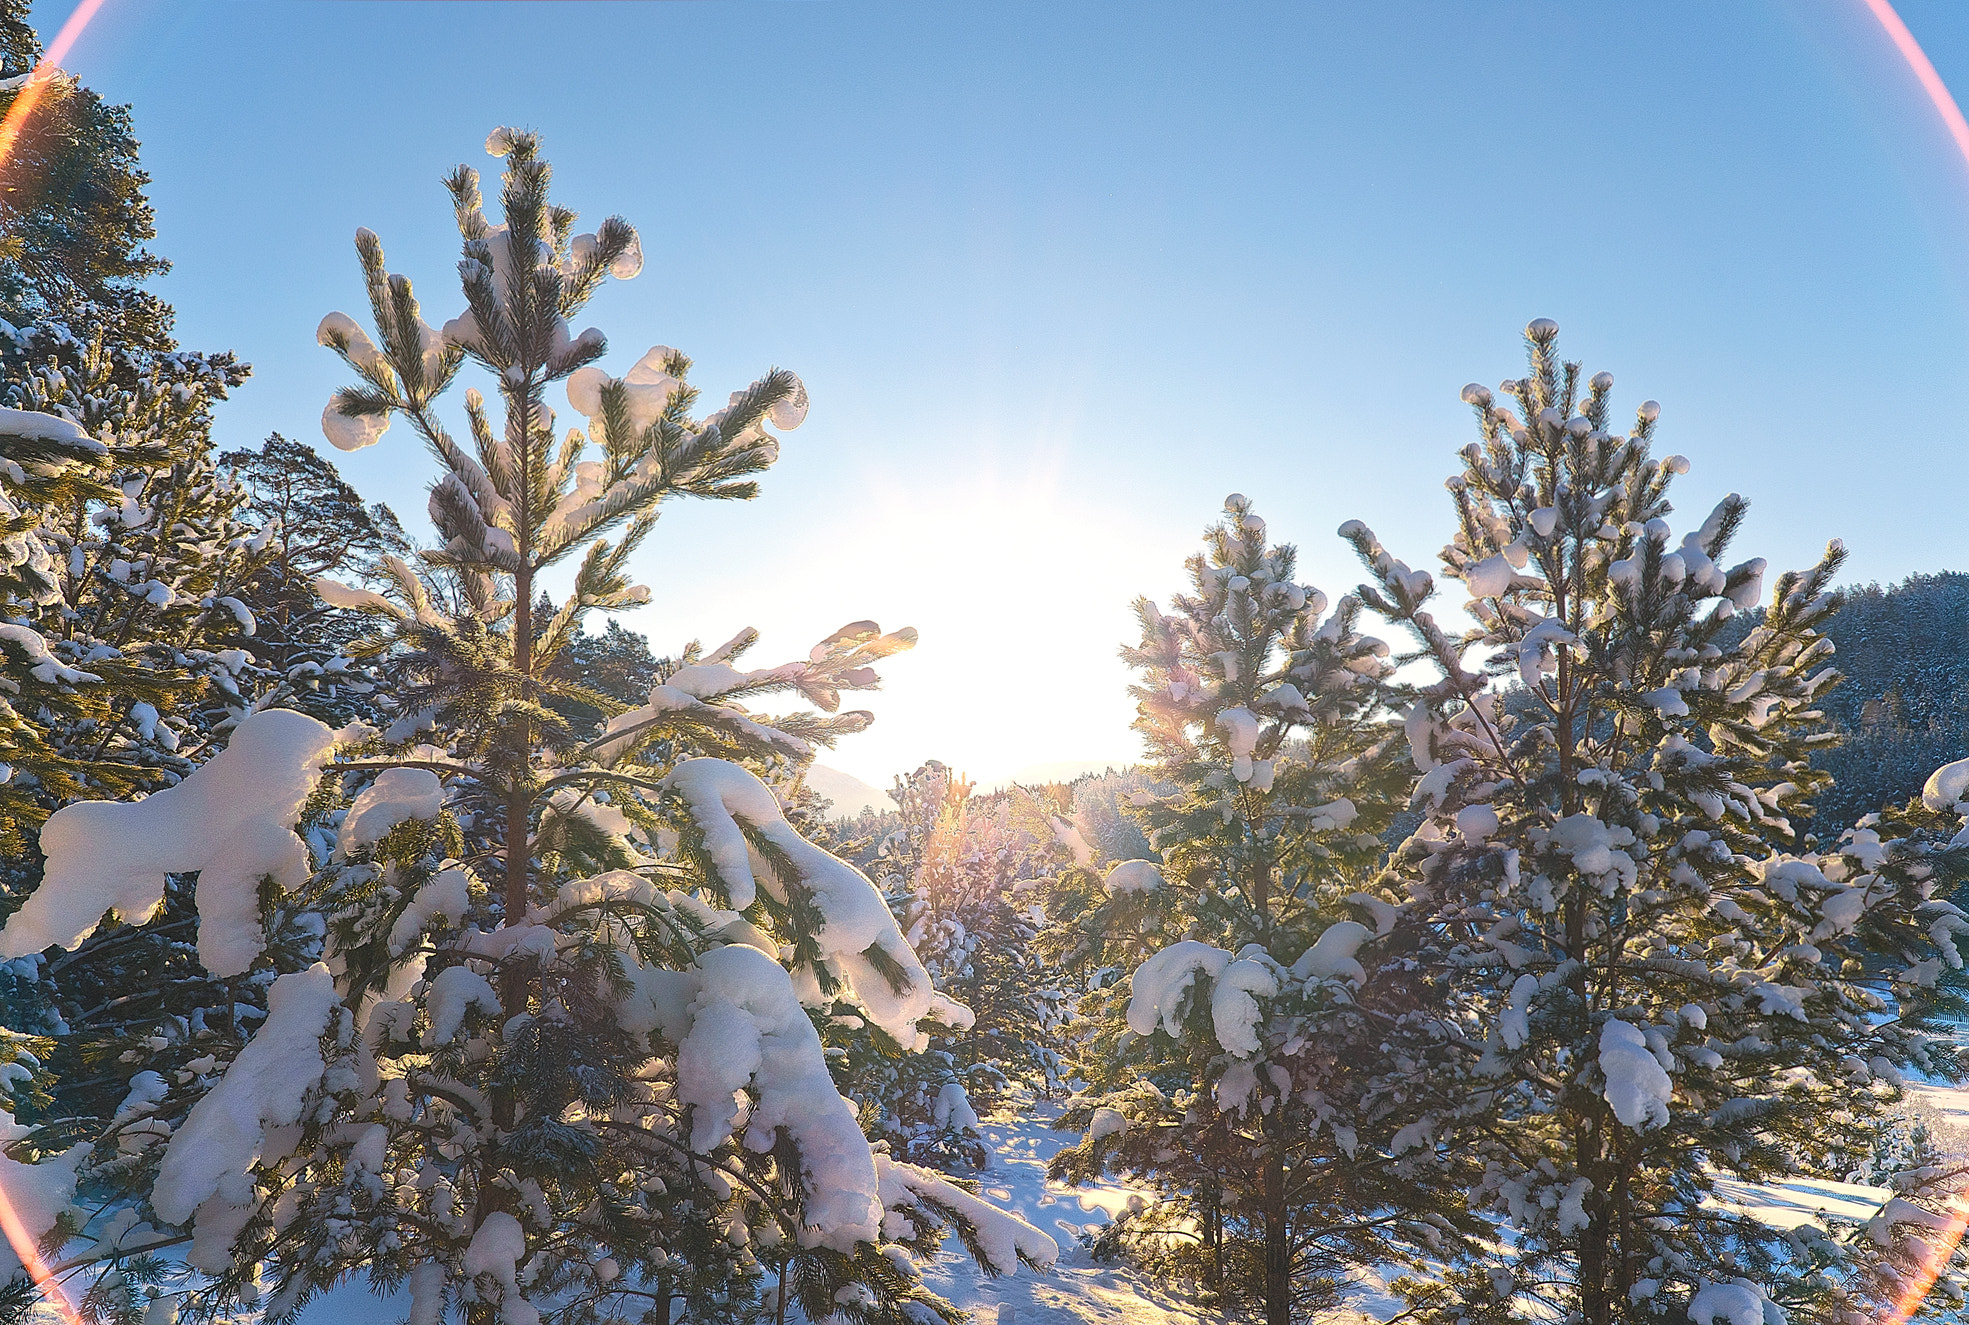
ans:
(1904, 705)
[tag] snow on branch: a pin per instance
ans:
(212, 1155)
(1002, 1240)
(858, 937)
(37, 1193)
(747, 1028)
(231, 821)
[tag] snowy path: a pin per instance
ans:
(1076, 1289)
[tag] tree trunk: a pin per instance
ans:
(1278, 1249)
(1594, 1304)
(516, 799)
(1213, 1238)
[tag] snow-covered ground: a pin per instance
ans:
(1075, 1290)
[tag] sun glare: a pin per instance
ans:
(1020, 590)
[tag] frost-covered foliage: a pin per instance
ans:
(1102, 813)
(122, 562)
(964, 875)
(130, 644)
(1652, 990)
(1260, 1056)
(548, 1044)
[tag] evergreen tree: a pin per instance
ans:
(1270, 1064)
(1658, 995)
(73, 218)
(317, 526)
(128, 633)
(1903, 708)
(556, 1052)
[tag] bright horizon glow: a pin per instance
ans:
(979, 569)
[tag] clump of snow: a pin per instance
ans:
(1106, 1122)
(1637, 1088)
(337, 594)
(1133, 876)
(1332, 954)
(747, 1028)
(646, 392)
(721, 796)
(1240, 727)
(267, 1085)
(42, 665)
(497, 1248)
(791, 412)
(1476, 823)
(231, 821)
(1161, 984)
(397, 794)
(38, 1193)
(1594, 848)
(1739, 1302)
(1234, 1010)
(1947, 787)
(1488, 578)
(447, 894)
(351, 432)
(455, 991)
(1514, 1026)
(32, 425)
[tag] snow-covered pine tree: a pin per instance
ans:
(128, 653)
(1266, 1067)
(962, 873)
(320, 526)
(123, 557)
(1663, 998)
(72, 246)
(557, 1053)
(974, 913)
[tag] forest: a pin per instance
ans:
(386, 903)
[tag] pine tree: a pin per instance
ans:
(557, 1050)
(318, 526)
(1658, 995)
(73, 215)
(130, 650)
(1268, 1065)
(126, 625)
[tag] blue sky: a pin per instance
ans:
(1059, 277)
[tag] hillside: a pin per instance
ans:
(1904, 705)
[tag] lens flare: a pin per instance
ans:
(1923, 1280)
(23, 1243)
(43, 76)
(1924, 72)
(1943, 1249)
